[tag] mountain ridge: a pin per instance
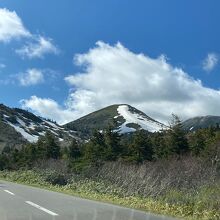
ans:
(195, 123)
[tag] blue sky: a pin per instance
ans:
(36, 64)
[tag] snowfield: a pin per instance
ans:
(27, 136)
(132, 117)
(26, 128)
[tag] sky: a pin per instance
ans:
(64, 59)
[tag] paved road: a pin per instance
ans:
(19, 202)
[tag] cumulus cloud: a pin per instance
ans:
(31, 77)
(47, 108)
(210, 62)
(113, 74)
(38, 49)
(11, 26)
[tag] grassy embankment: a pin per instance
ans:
(140, 187)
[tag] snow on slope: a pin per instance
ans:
(136, 118)
(32, 130)
(30, 126)
(55, 126)
(27, 136)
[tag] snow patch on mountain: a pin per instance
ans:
(31, 130)
(30, 127)
(136, 118)
(124, 129)
(27, 136)
(55, 126)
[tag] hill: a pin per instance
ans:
(18, 126)
(196, 123)
(123, 118)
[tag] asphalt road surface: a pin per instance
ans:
(20, 202)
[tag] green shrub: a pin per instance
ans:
(55, 178)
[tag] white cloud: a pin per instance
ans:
(210, 62)
(38, 49)
(31, 77)
(113, 74)
(47, 108)
(11, 26)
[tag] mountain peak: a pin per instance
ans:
(136, 120)
(123, 117)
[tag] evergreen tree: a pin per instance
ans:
(51, 146)
(30, 154)
(41, 151)
(178, 141)
(113, 148)
(160, 145)
(16, 155)
(141, 147)
(197, 142)
(94, 150)
(4, 162)
(74, 150)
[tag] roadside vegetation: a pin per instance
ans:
(170, 172)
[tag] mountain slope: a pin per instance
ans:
(196, 123)
(9, 137)
(124, 119)
(18, 126)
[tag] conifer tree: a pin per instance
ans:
(160, 145)
(178, 141)
(74, 150)
(141, 147)
(4, 162)
(197, 142)
(94, 150)
(113, 148)
(51, 146)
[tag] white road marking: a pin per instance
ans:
(7, 191)
(41, 208)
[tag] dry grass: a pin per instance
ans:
(187, 187)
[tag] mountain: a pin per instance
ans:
(124, 119)
(18, 126)
(196, 123)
